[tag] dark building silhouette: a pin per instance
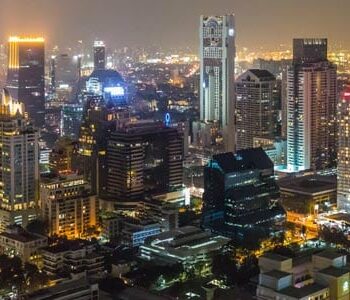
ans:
(25, 76)
(144, 157)
(240, 193)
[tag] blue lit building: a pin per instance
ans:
(109, 84)
(240, 193)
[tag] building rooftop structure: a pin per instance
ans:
(300, 293)
(309, 184)
(19, 234)
(263, 74)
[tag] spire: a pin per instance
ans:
(8, 106)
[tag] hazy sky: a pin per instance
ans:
(174, 23)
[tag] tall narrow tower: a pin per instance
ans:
(99, 55)
(26, 75)
(217, 60)
(311, 111)
(19, 159)
(343, 188)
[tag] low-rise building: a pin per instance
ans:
(16, 241)
(186, 245)
(68, 206)
(78, 258)
(325, 276)
(70, 290)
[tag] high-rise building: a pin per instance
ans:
(26, 75)
(19, 157)
(255, 106)
(71, 118)
(312, 101)
(343, 182)
(217, 57)
(240, 193)
(144, 157)
(68, 206)
(105, 100)
(99, 55)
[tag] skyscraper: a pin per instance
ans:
(99, 55)
(312, 100)
(255, 106)
(144, 157)
(240, 192)
(343, 188)
(217, 57)
(25, 76)
(19, 157)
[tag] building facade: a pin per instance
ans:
(26, 75)
(343, 188)
(240, 193)
(217, 57)
(99, 55)
(19, 156)
(68, 206)
(312, 102)
(144, 157)
(256, 106)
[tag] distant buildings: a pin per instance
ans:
(68, 206)
(26, 75)
(256, 107)
(71, 117)
(343, 189)
(240, 193)
(99, 55)
(143, 157)
(217, 57)
(19, 157)
(312, 101)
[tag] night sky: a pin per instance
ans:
(174, 23)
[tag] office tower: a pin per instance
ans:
(255, 106)
(71, 118)
(144, 157)
(240, 193)
(99, 55)
(217, 57)
(68, 205)
(25, 76)
(343, 182)
(105, 100)
(19, 157)
(312, 100)
(61, 156)
(66, 70)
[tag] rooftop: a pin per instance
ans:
(274, 256)
(247, 159)
(334, 272)
(19, 234)
(303, 291)
(262, 74)
(277, 274)
(309, 185)
(329, 254)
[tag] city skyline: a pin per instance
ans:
(173, 24)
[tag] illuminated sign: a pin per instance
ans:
(115, 91)
(231, 32)
(345, 286)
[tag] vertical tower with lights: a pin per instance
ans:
(26, 75)
(19, 159)
(99, 55)
(217, 58)
(343, 188)
(311, 108)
